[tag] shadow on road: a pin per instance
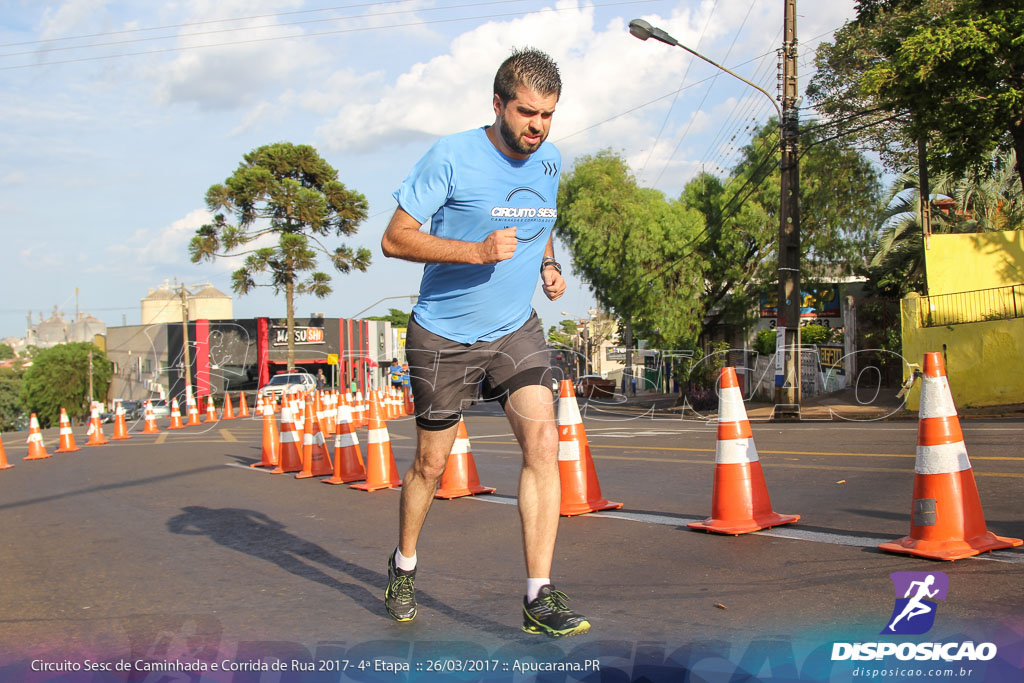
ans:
(256, 534)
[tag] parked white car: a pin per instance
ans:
(287, 382)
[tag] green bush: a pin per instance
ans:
(764, 343)
(814, 334)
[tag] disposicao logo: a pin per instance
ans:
(914, 611)
(914, 614)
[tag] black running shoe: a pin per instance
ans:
(400, 596)
(549, 615)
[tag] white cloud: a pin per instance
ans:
(235, 75)
(73, 17)
(605, 72)
(41, 255)
(251, 118)
(149, 248)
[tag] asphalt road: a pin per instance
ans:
(169, 548)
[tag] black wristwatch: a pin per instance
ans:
(550, 261)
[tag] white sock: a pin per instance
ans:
(533, 587)
(406, 564)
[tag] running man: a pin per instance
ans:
(915, 607)
(489, 194)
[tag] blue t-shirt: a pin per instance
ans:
(468, 189)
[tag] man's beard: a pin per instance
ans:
(514, 141)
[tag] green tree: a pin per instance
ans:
(562, 335)
(951, 70)
(12, 407)
(59, 378)
(839, 198)
(621, 238)
(395, 316)
(289, 193)
(6, 351)
(984, 202)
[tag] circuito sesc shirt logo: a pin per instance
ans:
(916, 592)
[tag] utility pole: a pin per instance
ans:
(787, 396)
(188, 356)
(90, 378)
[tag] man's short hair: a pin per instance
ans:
(527, 67)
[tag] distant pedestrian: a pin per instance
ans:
(321, 381)
(395, 373)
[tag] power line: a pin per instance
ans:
(315, 35)
(671, 106)
(202, 23)
(260, 27)
(707, 92)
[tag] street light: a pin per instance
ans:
(787, 396)
(643, 30)
(412, 299)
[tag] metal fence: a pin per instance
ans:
(980, 305)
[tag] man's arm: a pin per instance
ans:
(551, 277)
(403, 239)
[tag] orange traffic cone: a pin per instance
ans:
(120, 426)
(460, 477)
(270, 451)
(739, 502)
(316, 460)
(381, 469)
(36, 447)
(581, 491)
(95, 432)
(946, 519)
(348, 457)
(359, 418)
(290, 459)
(229, 412)
(193, 412)
(176, 422)
(410, 406)
(67, 437)
(150, 420)
(4, 465)
(211, 410)
(330, 414)
(243, 409)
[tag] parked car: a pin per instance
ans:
(160, 407)
(133, 409)
(287, 382)
(594, 386)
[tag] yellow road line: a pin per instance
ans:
(832, 468)
(712, 450)
(771, 464)
(162, 438)
(226, 435)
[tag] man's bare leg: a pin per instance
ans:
(420, 484)
(531, 413)
(418, 488)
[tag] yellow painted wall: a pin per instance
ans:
(977, 260)
(983, 360)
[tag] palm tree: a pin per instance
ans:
(983, 202)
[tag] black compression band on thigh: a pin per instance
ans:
(430, 424)
(535, 376)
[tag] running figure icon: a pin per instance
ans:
(915, 607)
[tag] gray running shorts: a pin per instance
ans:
(446, 375)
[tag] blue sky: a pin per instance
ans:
(117, 116)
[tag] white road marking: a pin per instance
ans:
(1012, 556)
